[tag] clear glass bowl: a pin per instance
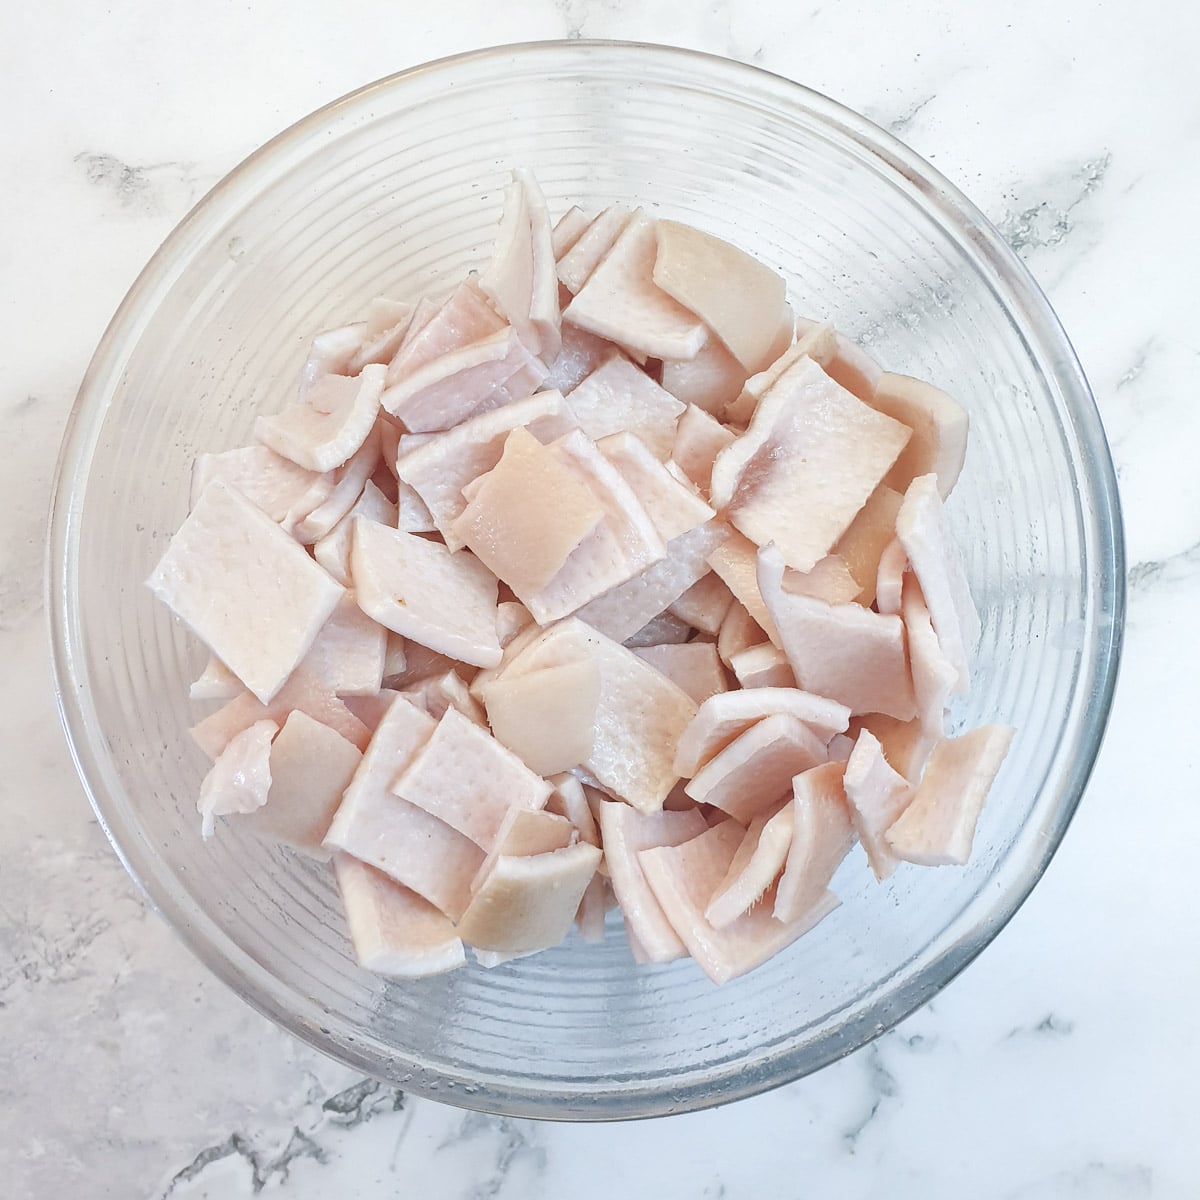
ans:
(396, 190)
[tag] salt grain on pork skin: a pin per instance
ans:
(602, 580)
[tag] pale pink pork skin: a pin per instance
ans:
(754, 869)
(463, 776)
(330, 425)
(704, 605)
(520, 280)
(922, 528)
(512, 612)
(620, 300)
(547, 716)
(443, 464)
(813, 448)
(397, 837)
(311, 766)
(625, 834)
(589, 248)
(877, 795)
(866, 538)
(394, 931)
(938, 827)
(699, 438)
(693, 666)
(240, 779)
(756, 768)
(739, 298)
(939, 425)
(420, 590)
(710, 381)
(300, 692)
(228, 557)
(684, 878)
(618, 397)
(722, 718)
(528, 903)
(762, 666)
(821, 836)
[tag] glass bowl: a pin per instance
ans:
(395, 190)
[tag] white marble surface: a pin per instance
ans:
(1062, 1064)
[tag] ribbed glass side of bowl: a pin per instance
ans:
(396, 190)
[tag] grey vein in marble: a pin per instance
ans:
(882, 1086)
(1046, 216)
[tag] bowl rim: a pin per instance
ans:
(1101, 516)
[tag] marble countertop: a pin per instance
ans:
(1061, 1064)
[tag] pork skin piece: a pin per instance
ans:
(704, 605)
(443, 464)
(722, 718)
(333, 422)
(436, 693)
(403, 841)
(394, 932)
(546, 717)
(822, 834)
(581, 353)
(739, 631)
(933, 674)
(755, 770)
(846, 652)
(811, 448)
(347, 656)
(818, 342)
(620, 547)
(527, 903)
(576, 264)
(384, 329)
(699, 438)
(938, 445)
(692, 666)
(466, 778)
(625, 610)
(668, 496)
(570, 800)
(739, 298)
(683, 879)
(420, 590)
(938, 827)
(710, 381)
(473, 379)
(619, 397)
(625, 833)
(245, 588)
(437, 330)
(762, 666)
(284, 490)
(521, 279)
(333, 550)
(863, 543)
(240, 779)
(620, 300)
(736, 562)
(300, 691)
(922, 528)
(349, 482)
(568, 229)
(529, 514)
(524, 832)
(311, 767)
(877, 796)
(755, 867)
(639, 719)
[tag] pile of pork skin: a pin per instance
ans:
(602, 580)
